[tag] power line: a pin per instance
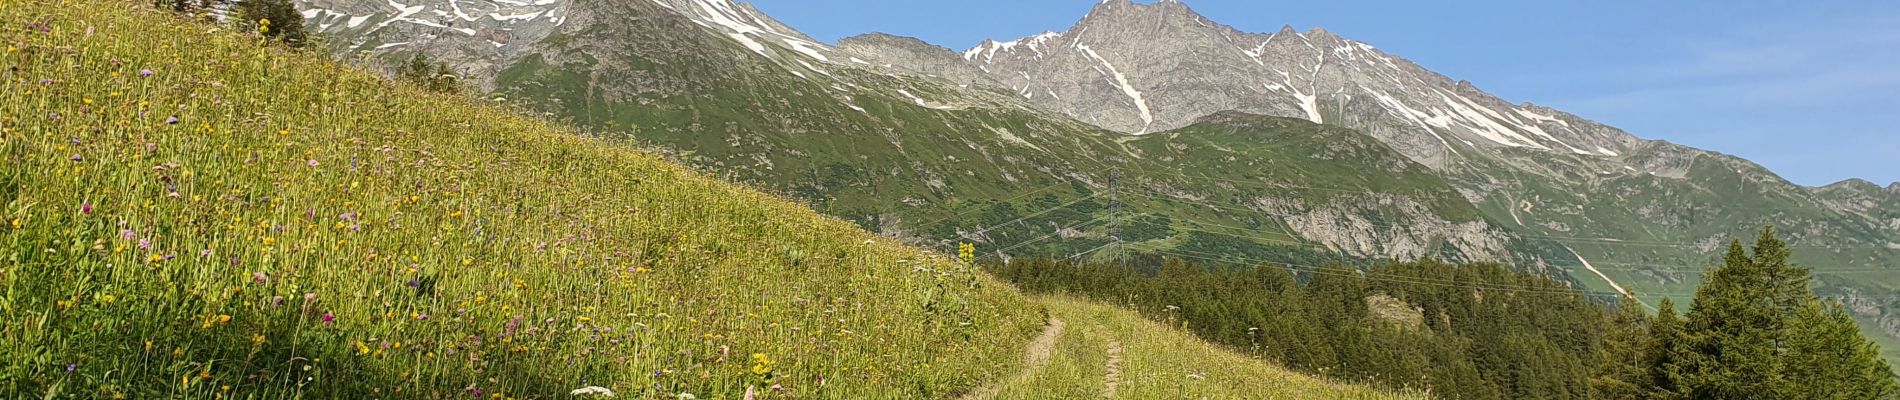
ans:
(1058, 231)
(1018, 197)
(1037, 214)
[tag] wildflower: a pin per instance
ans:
(72, 367)
(77, 158)
(761, 364)
(87, 207)
(145, 73)
(313, 162)
(128, 234)
(260, 278)
(172, 120)
(145, 244)
(277, 301)
(328, 318)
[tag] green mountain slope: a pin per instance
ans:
(923, 159)
(936, 160)
(192, 215)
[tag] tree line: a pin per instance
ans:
(1755, 330)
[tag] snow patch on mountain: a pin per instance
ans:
(1121, 81)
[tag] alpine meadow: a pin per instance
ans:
(690, 199)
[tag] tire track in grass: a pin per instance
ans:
(1113, 379)
(1034, 358)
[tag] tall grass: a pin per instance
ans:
(188, 213)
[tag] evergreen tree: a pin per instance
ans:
(428, 75)
(1731, 334)
(1661, 365)
(1621, 372)
(1830, 360)
(276, 19)
(1757, 331)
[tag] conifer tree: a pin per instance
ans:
(276, 19)
(1757, 331)
(1621, 372)
(429, 75)
(1830, 360)
(1731, 334)
(1661, 363)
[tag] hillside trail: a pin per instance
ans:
(1113, 379)
(1034, 358)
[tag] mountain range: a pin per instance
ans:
(1143, 127)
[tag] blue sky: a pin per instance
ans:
(1809, 89)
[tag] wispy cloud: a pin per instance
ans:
(1846, 60)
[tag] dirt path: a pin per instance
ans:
(1113, 378)
(1034, 358)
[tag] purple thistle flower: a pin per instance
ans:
(348, 216)
(412, 283)
(277, 301)
(170, 256)
(85, 208)
(260, 278)
(145, 244)
(145, 73)
(127, 234)
(54, 116)
(328, 318)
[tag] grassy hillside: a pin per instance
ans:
(193, 215)
(189, 214)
